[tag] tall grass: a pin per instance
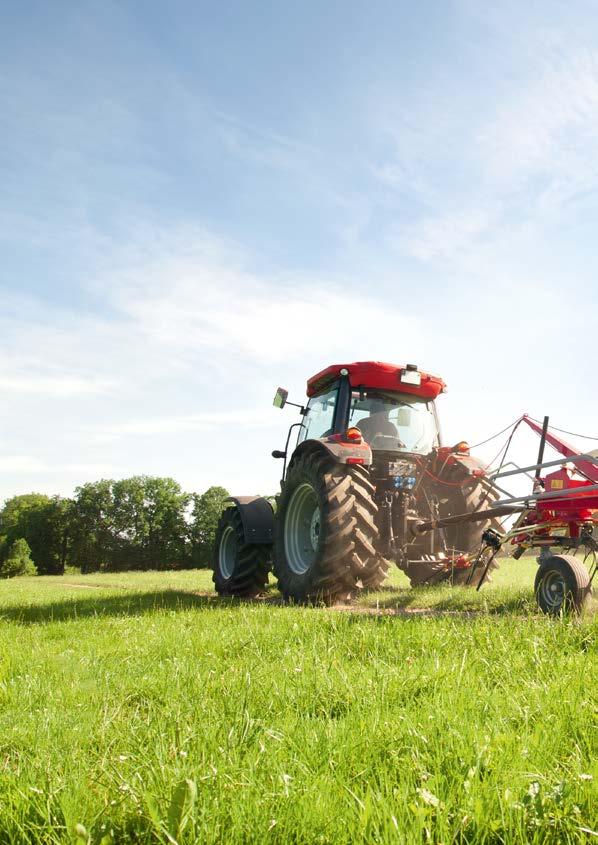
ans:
(143, 712)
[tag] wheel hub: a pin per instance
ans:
(553, 589)
(302, 529)
(227, 552)
(314, 529)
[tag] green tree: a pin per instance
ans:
(44, 522)
(149, 522)
(18, 560)
(93, 539)
(207, 508)
(134, 523)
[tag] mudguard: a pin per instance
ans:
(257, 518)
(342, 452)
(472, 466)
(461, 465)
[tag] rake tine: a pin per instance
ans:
(485, 572)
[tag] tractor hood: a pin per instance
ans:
(393, 377)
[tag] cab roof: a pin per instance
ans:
(374, 374)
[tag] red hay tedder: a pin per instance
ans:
(369, 483)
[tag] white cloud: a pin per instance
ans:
(481, 179)
(26, 464)
(59, 386)
(444, 237)
(21, 464)
(548, 132)
(209, 422)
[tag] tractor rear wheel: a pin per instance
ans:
(562, 585)
(240, 568)
(325, 529)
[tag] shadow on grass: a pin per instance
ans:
(400, 600)
(127, 604)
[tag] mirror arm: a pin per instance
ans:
(302, 408)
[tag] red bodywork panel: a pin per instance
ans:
(577, 505)
(376, 374)
(447, 457)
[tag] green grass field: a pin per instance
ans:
(141, 708)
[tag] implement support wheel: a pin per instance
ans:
(562, 585)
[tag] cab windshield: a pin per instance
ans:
(395, 422)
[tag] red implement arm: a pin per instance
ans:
(588, 468)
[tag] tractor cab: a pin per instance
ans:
(392, 407)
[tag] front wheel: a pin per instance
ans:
(562, 585)
(325, 529)
(240, 568)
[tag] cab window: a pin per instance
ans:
(394, 422)
(319, 419)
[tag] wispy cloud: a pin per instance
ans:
(21, 464)
(29, 465)
(544, 139)
(209, 422)
(526, 158)
(59, 386)
(446, 236)
(261, 145)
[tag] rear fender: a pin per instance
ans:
(257, 518)
(469, 465)
(458, 466)
(342, 453)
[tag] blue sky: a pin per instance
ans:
(202, 201)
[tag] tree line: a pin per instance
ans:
(141, 522)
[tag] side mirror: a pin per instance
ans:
(280, 397)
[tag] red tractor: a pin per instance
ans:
(367, 468)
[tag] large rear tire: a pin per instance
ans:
(375, 573)
(562, 585)
(240, 568)
(325, 529)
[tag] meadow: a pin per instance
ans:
(142, 708)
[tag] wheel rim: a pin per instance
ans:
(227, 552)
(552, 590)
(302, 529)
